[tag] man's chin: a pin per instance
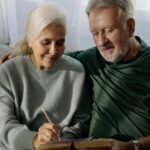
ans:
(110, 59)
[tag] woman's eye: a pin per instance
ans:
(45, 42)
(60, 43)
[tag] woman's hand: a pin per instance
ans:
(47, 132)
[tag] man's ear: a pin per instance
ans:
(131, 26)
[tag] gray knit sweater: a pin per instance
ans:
(24, 89)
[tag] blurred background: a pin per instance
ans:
(13, 15)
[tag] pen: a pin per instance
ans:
(49, 120)
(46, 115)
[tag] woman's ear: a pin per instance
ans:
(131, 26)
(29, 44)
(29, 47)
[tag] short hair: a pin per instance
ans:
(40, 17)
(125, 6)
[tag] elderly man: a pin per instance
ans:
(119, 68)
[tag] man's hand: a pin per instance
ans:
(119, 145)
(6, 56)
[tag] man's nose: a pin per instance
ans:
(102, 40)
(53, 49)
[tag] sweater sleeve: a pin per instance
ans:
(79, 126)
(13, 134)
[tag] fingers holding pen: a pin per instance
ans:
(51, 126)
(47, 133)
(50, 130)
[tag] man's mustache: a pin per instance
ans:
(106, 46)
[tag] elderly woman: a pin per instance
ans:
(43, 78)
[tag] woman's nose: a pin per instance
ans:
(53, 49)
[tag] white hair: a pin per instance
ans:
(125, 6)
(39, 19)
(43, 16)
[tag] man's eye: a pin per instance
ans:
(107, 30)
(95, 33)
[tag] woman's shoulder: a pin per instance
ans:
(71, 63)
(13, 63)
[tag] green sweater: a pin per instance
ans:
(121, 94)
(24, 90)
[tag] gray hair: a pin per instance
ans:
(125, 6)
(40, 18)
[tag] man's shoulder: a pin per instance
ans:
(83, 54)
(68, 62)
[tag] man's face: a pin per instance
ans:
(110, 34)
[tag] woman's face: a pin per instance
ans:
(48, 47)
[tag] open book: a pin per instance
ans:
(81, 144)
